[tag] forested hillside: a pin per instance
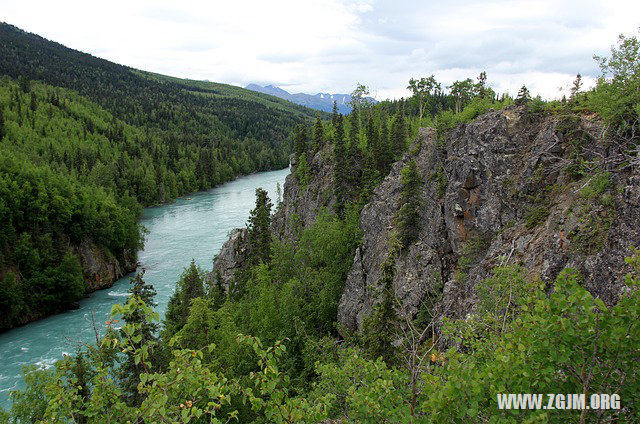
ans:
(86, 142)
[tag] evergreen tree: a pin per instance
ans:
(480, 88)
(318, 135)
(129, 371)
(381, 327)
(25, 84)
(398, 132)
(408, 218)
(300, 140)
(523, 96)
(575, 88)
(354, 128)
(33, 105)
(354, 154)
(334, 115)
(190, 286)
(216, 291)
(340, 171)
(384, 157)
(259, 228)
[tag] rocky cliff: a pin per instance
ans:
(298, 209)
(542, 190)
(101, 269)
(509, 187)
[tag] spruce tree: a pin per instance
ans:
(354, 129)
(408, 218)
(216, 291)
(318, 135)
(523, 96)
(259, 228)
(334, 115)
(300, 140)
(398, 132)
(383, 157)
(354, 154)
(381, 327)
(129, 371)
(340, 171)
(190, 286)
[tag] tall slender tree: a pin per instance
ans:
(408, 218)
(190, 286)
(318, 134)
(398, 132)
(523, 96)
(340, 171)
(300, 140)
(259, 228)
(334, 115)
(130, 369)
(380, 329)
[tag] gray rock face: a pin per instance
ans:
(231, 258)
(419, 268)
(497, 190)
(298, 209)
(501, 170)
(100, 268)
(300, 206)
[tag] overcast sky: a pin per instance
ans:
(331, 45)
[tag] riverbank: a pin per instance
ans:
(177, 232)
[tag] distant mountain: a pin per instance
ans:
(320, 101)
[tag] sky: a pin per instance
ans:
(313, 46)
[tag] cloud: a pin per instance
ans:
(331, 45)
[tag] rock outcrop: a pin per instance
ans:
(101, 269)
(505, 188)
(231, 258)
(300, 206)
(496, 190)
(298, 209)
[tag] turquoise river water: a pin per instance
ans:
(195, 226)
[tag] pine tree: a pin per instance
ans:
(216, 291)
(384, 157)
(398, 132)
(334, 115)
(523, 96)
(318, 135)
(340, 171)
(190, 286)
(408, 218)
(129, 371)
(354, 129)
(300, 140)
(380, 328)
(259, 228)
(355, 159)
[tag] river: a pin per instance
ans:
(193, 227)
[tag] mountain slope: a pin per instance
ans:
(132, 95)
(320, 101)
(85, 142)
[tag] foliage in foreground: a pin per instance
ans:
(566, 342)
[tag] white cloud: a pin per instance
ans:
(329, 46)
